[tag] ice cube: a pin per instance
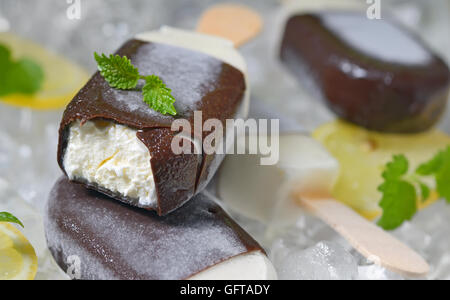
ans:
(291, 248)
(28, 150)
(428, 233)
(376, 272)
(414, 237)
(307, 231)
(324, 261)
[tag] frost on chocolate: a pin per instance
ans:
(115, 241)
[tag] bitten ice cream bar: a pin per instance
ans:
(112, 142)
(113, 241)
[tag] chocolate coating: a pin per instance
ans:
(198, 82)
(116, 241)
(363, 88)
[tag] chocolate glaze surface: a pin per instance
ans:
(198, 82)
(363, 88)
(115, 241)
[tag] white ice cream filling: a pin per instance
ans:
(249, 266)
(111, 156)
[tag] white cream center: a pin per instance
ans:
(111, 156)
(250, 266)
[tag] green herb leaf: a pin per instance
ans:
(431, 167)
(396, 168)
(399, 196)
(439, 166)
(398, 203)
(443, 178)
(5, 55)
(5, 62)
(117, 71)
(425, 191)
(120, 73)
(158, 96)
(7, 217)
(22, 77)
(27, 76)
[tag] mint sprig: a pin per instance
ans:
(399, 196)
(158, 96)
(401, 190)
(120, 73)
(7, 217)
(22, 76)
(439, 168)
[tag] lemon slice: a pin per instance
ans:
(62, 79)
(363, 154)
(18, 260)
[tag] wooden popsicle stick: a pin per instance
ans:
(235, 22)
(368, 239)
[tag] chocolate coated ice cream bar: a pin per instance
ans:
(112, 142)
(374, 73)
(106, 239)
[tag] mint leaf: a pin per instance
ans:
(399, 196)
(117, 71)
(439, 166)
(120, 73)
(5, 62)
(25, 76)
(396, 168)
(398, 203)
(425, 191)
(443, 177)
(158, 96)
(22, 77)
(7, 217)
(5, 55)
(431, 167)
